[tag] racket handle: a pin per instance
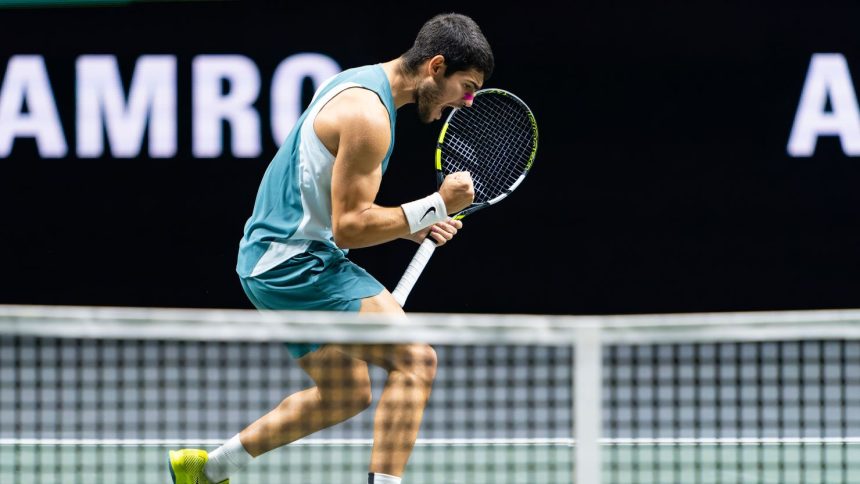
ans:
(419, 261)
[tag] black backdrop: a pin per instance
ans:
(662, 182)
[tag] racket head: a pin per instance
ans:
(495, 140)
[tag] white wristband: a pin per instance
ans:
(425, 212)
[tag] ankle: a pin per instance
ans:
(379, 478)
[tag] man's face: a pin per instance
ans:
(436, 93)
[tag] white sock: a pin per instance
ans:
(226, 460)
(377, 478)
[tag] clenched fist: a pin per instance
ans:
(457, 191)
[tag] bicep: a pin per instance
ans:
(354, 184)
(357, 172)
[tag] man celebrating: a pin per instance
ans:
(314, 203)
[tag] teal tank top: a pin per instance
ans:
(293, 204)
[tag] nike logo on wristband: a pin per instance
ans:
(428, 212)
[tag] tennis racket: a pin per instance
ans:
(495, 140)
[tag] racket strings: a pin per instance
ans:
(493, 140)
(495, 155)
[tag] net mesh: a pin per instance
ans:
(776, 411)
(101, 397)
(493, 140)
(91, 409)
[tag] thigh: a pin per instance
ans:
(333, 370)
(406, 356)
(383, 302)
(388, 356)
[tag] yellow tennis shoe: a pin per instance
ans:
(186, 467)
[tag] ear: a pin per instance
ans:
(436, 66)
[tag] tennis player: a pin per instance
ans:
(314, 203)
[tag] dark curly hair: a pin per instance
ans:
(456, 37)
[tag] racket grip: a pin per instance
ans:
(419, 261)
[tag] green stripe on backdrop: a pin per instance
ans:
(59, 3)
(77, 3)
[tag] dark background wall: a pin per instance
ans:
(662, 182)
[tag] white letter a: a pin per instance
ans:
(828, 76)
(26, 80)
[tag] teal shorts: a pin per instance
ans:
(320, 279)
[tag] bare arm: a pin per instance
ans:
(359, 125)
(355, 127)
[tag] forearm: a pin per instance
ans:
(372, 226)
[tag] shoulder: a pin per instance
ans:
(355, 119)
(361, 110)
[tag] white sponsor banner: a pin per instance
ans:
(115, 119)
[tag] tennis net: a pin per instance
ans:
(101, 394)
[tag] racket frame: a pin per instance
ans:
(440, 173)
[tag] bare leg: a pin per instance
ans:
(411, 370)
(401, 408)
(342, 391)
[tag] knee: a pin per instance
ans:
(417, 360)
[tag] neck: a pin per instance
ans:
(403, 87)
